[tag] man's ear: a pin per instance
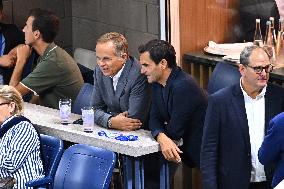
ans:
(164, 64)
(242, 69)
(124, 56)
(36, 34)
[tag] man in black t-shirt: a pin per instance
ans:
(256, 9)
(10, 37)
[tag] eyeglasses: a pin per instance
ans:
(259, 69)
(3, 103)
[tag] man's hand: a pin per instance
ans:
(7, 60)
(169, 149)
(122, 122)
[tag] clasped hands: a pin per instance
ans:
(18, 54)
(123, 122)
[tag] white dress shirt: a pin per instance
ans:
(255, 110)
(116, 78)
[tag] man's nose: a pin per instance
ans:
(263, 72)
(142, 70)
(100, 62)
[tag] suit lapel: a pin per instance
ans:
(239, 107)
(161, 103)
(171, 79)
(270, 105)
(122, 81)
(107, 81)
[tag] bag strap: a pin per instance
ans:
(14, 121)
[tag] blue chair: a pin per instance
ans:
(83, 99)
(51, 152)
(223, 75)
(85, 167)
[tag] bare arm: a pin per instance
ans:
(23, 52)
(9, 59)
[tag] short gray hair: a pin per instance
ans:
(246, 53)
(119, 41)
(10, 94)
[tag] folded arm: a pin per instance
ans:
(23, 52)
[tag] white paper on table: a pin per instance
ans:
(235, 57)
(229, 46)
(280, 185)
(226, 48)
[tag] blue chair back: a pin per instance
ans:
(223, 76)
(83, 99)
(83, 167)
(51, 152)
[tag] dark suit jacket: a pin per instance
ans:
(226, 151)
(179, 112)
(13, 37)
(132, 94)
(272, 148)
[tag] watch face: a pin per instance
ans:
(109, 123)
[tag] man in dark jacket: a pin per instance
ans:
(178, 105)
(10, 37)
(235, 124)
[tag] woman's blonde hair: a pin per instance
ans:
(10, 94)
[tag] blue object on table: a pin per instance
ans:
(51, 152)
(84, 167)
(118, 136)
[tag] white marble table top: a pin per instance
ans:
(48, 122)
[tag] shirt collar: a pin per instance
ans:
(259, 96)
(116, 76)
(48, 48)
(8, 119)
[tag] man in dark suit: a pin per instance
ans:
(178, 103)
(121, 93)
(10, 37)
(236, 121)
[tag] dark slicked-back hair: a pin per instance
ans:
(158, 50)
(46, 22)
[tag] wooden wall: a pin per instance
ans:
(193, 24)
(201, 21)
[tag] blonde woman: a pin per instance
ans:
(19, 141)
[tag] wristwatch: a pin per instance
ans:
(109, 122)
